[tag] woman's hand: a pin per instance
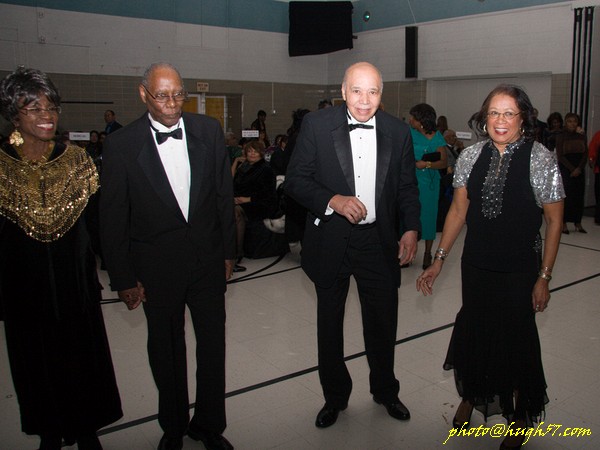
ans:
(427, 278)
(540, 295)
(421, 164)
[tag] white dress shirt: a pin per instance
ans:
(364, 159)
(176, 162)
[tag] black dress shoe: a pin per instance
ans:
(50, 442)
(327, 416)
(237, 268)
(88, 441)
(211, 440)
(170, 443)
(396, 409)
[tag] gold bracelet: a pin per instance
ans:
(545, 276)
(428, 165)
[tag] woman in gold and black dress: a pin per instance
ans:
(49, 290)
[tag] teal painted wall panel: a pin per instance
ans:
(271, 15)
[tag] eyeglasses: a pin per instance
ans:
(164, 98)
(508, 115)
(40, 111)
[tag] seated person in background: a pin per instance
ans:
(279, 144)
(254, 192)
(233, 146)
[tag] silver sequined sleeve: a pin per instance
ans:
(464, 164)
(545, 176)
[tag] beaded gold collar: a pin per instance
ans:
(45, 200)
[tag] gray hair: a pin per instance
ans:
(158, 65)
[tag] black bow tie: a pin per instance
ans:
(354, 126)
(162, 136)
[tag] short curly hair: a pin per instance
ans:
(23, 86)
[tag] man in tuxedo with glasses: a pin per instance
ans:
(168, 236)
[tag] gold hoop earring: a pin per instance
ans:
(15, 138)
(522, 130)
(485, 128)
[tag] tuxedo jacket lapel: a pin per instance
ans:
(150, 162)
(343, 149)
(197, 154)
(384, 155)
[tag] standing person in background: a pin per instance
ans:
(353, 169)
(111, 122)
(502, 184)
(260, 125)
(168, 238)
(453, 149)
(295, 213)
(555, 126)
(594, 159)
(442, 124)
(430, 156)
(49, 290)
(571, 151)
(539, 126)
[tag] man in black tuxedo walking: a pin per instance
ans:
(168, 236)
(353, 168)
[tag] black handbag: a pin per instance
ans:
(431, 157)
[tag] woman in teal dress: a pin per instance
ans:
(426, 140)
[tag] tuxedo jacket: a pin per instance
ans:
(321, 167)
(145, 237)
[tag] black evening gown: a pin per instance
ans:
(57, 344)
(495, 348)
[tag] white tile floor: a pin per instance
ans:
(272, 384)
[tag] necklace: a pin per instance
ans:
(35, 163)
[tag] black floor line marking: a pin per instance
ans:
(306, 371)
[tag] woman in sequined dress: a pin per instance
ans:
(502, 185)
(49, 291)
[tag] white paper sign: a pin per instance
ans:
(79, 136)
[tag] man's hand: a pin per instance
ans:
(133, 297)
(349, 207)
(407, 247)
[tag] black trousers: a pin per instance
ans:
(379, 307)
(167, 354)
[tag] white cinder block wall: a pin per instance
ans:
(523, 41)
(81, 43)
(534, 40)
